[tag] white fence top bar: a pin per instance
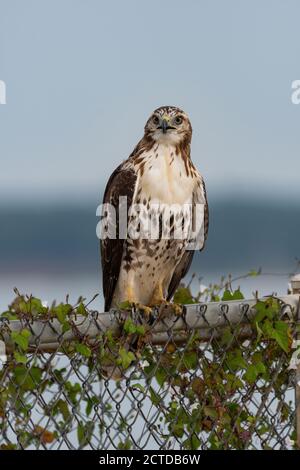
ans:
(47, 334)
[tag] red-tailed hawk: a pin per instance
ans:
(159, 173)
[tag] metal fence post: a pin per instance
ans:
(295, 285)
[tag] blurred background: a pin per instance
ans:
(82, 77)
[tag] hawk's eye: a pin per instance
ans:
(155, 120)
(178, 120)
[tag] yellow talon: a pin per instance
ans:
(169, 309)
(144, 308)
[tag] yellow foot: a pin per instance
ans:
(144, 310)
(128, 305)
(147, 311)
(169, 309)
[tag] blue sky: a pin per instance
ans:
(82, 77)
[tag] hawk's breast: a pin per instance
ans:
(149, 262)
(164, 178)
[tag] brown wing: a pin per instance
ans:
(206, 215)
(179, 273)
(121, 183)
(186, 260)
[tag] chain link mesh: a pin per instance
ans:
(224, 389)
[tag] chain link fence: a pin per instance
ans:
(213, 376)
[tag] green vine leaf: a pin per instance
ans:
(20, 358)
(83, 349)
(125, 358)
(21, 338)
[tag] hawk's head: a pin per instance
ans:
(169, 125)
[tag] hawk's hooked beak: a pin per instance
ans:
(164, 125)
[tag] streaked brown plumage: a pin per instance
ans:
(158, 172)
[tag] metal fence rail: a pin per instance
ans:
(218, 376)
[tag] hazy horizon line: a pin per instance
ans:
(80, 198)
